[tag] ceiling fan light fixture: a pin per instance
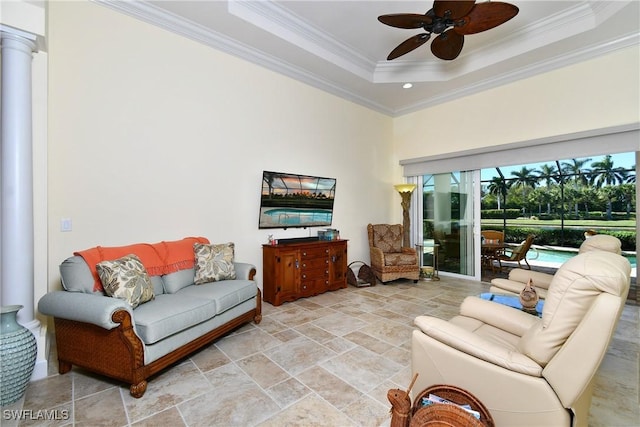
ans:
(451, 20)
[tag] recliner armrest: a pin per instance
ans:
(500, 316)
(81, 307)
(540, 279)
(476, 346)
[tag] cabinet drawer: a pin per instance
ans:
(314, 286)
(309, 253)
(316, 273)
(314, 263)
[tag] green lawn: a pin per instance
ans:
(568, 223)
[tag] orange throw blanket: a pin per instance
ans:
(158, 258)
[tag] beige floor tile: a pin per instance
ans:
(167, 418)
(262, 370)
(247, 343)
(389, 331)
(340, 324)
(329, 387)
(322, 361)
(310, 411)
(368, 412)
(315, 333)
(361, 368)
(210, 357)
(49, 392)
(299, 354)
(234, 400)
(288, 392)
(367, 341)
(101, 409)
(173, 386)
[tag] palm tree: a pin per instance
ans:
(578, 173)
(576, 170)
(498, 188)
(549, 174)
(627, 193)
(604, 173)
(524, 179)
(630, 175)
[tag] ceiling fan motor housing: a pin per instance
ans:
(439, 24)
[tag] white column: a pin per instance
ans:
(16, 231)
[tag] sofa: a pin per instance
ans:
(518, 277)
(527, 370)
(171, 305)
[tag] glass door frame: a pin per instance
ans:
(417, 210)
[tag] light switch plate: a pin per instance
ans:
(65, 224)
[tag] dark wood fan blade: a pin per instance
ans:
(405, 20)
(457, 9)
(408, 45)
(485, 16)
(447, 45)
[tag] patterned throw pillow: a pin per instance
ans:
(214, 262)
(126, 278)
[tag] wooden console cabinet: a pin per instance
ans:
(303, 269)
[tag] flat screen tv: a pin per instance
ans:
(290, 200)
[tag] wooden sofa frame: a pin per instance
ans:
(119, 353)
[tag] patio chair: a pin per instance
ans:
(493, 236)
(517, 254)
(491, 247)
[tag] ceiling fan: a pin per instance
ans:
(451, 20)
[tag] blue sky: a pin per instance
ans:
(625, 160)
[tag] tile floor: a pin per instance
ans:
(322, 361)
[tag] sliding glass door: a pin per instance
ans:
(448, 220)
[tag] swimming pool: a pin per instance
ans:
(551, 256)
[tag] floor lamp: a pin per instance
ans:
(405, 191)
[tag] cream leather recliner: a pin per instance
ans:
(529, 371)
(518, 277)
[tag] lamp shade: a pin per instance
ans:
(405, 188)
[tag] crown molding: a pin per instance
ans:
(280, 21)
(541, 67)
(584, 17)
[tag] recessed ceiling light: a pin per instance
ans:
(407, 86)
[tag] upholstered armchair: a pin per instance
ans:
(528, 370)
(389, 260)
(518, 277)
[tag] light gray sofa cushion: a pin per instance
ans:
(76, 277)
(226, 293)
(158, 286)
(168, 314)
(173, 282)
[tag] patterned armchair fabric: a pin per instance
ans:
(389, 260)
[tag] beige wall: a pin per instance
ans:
(595, 94)
(155, 137)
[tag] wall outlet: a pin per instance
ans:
(65, 224)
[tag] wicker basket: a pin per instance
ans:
(449, 415)
(366, 277)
